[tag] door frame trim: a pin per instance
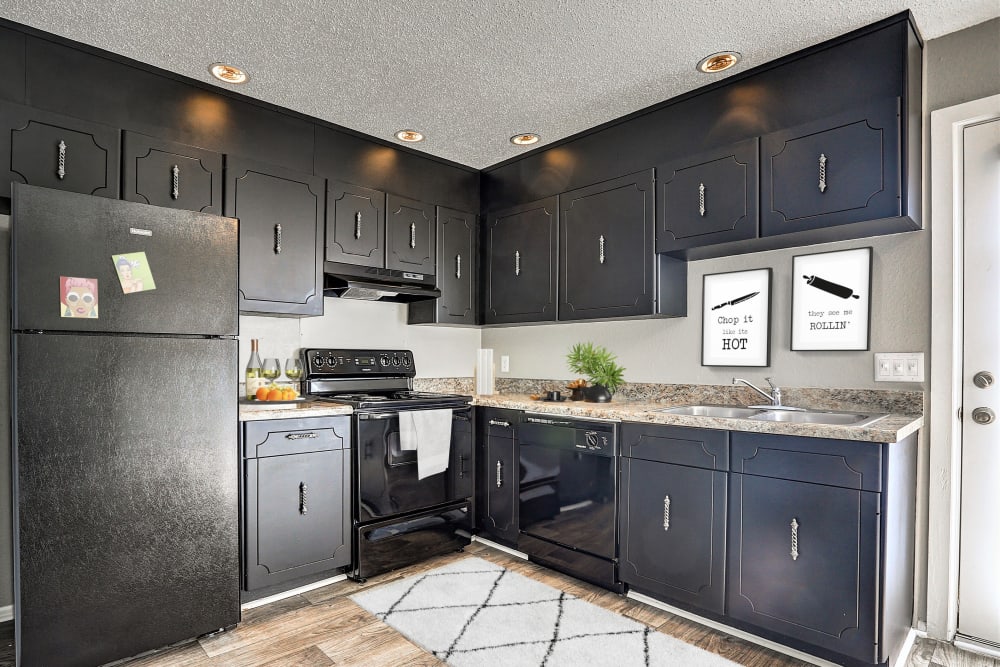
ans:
(945, 430)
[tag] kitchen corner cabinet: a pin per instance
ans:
(410, 235)
(297, 500)
(822, 541)
(606, 249)
(355, 225)
(834, 171)
(521, 263)
(59, 152)
(672, 516)
(708, 198)
(170, 174)
(281, 215)
(499, 472)
(457, 273)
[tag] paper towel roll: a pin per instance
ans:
(485, 373)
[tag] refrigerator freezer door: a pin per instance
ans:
(126, 505)
(192, 259)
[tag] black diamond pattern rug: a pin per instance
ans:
(473, 612)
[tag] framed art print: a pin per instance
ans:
(735, 324)
(831, 300)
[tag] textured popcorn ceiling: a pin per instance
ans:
(468, 74)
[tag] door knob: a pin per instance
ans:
(983, 416)
(983, 379)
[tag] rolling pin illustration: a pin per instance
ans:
(832, 288)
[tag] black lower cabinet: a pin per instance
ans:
(497, 491)
(296, 509)
(672, 518)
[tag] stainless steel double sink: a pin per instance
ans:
(795, 415)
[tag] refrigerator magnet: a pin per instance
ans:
(831, 300)
(77, 297)
(134, 273)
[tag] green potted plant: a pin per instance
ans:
(600, 366)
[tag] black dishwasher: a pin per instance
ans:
(568, 500)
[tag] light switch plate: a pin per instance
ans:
(899, 366)
(504, 363)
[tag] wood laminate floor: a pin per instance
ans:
(324, 627)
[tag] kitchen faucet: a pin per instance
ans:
(774, 396)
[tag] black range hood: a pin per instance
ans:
(373, 284)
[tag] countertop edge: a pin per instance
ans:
(286, 411)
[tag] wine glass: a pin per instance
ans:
(271, 370)
(293, 369)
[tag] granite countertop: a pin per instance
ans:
(892, 428)
(306, 408)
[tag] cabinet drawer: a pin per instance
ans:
(276, 437)
(696, 447)
(500, 422)
(845, 463)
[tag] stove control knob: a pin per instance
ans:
(384, 359)
(406, 361)
(331, 361)
(317, 362)
(395, 360)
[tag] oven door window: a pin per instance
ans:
(568, 497)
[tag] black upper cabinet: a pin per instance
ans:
(834, 171)
(410, 235)
(54, 151)
(355, 225)
(166, 173)
(709, 198)
(606, 249)
(521, 263)
(281, 216)
(457, 273)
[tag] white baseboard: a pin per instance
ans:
(500, 547)
(6, 613)
(904, 654)
(968, 644)
(722, 627)
(287, 594)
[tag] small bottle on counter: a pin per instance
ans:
(255, 372)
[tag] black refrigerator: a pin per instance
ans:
(124, 426)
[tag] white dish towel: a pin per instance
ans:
(428, 432)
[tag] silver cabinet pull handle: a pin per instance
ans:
(61, 171)
(497, 422)
(277, 239)
(303, 498)
(701, 199)
(795, 538)
(458, 266)
(822, 172)
(462, 472)
(175, 172)
(300, 436)
(666, 513)
(413, 235)
(357, 225)
(601, 243)
(517, 262)
(499, 473)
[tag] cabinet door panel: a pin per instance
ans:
(606, 249)
(355, 225)
(835, 171)
(804, 561)
(299, 526)
(521, 251)
(498, 474)
(59, 152)
(461, 468)
(673, 532)
(281, 218)
(173, 175)
(457, 266)
(411, 235)
(709, 198)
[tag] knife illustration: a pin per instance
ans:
(832, 288)
(736, 301)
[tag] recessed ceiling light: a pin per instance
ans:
(525, 139)
(718, 62)
(228, 73)
(411, 136)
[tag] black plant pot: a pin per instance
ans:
(597, 394)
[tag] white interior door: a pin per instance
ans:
(979, 549)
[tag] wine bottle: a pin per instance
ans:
(255, 372)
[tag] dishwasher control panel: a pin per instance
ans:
(565, 433)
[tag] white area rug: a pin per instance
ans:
(476, 613)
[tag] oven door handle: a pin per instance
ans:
(383, 415)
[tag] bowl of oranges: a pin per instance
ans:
(277, 393)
